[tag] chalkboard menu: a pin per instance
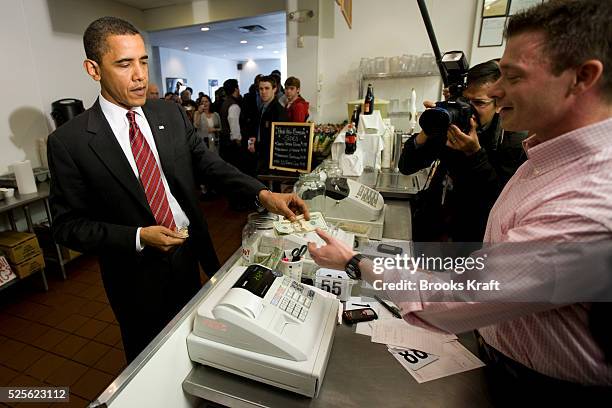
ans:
(291, 146)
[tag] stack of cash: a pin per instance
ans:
(300, 225)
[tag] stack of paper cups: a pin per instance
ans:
(387, 146)
(25, 177)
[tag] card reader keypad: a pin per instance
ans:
(293, 298)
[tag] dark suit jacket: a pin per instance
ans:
(98, 203)
(275, 112)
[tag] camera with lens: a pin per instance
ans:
(457, 110)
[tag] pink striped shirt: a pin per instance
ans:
(562, 193)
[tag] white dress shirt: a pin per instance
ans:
(118, 121)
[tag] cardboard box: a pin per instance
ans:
(19, 246)
(6, 273)
(29, 266)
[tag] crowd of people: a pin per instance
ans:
(238, 126)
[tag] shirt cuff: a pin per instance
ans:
(139, 247)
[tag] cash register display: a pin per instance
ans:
(257, 280)
(293, 298)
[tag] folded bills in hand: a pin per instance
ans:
(300, 225)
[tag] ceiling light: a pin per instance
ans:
(276, 52)
(205, 28)
(243, 42)
(259, 47)
(186, 48)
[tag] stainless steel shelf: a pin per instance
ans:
(397, 75)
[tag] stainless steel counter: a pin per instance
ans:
(359, 374)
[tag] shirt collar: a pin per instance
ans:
(115, 112)
(570, 146)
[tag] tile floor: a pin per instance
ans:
(68, 336)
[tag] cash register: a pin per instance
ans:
(265, 326)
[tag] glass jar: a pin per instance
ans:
(259, 239)
(311, 189)
(331, 168)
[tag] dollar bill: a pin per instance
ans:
(300, 225)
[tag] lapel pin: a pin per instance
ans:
(161, 127)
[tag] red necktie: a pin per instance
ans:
(150, 176)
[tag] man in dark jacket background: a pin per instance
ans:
(271, 111)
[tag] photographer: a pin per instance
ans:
(473, 167)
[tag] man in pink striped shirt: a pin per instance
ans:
(556, 82)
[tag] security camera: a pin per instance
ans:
(300, 15)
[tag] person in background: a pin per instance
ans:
(249, 118)
(152, 91)
(200, 96)
(472, 172)
(557, 82)
(297, 107)
(271, 111)
(280, 91)
(207, 123)
(122, 188)
(188, 104)
(169, 96)
(230, 138)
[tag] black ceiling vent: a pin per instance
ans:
(255, 28)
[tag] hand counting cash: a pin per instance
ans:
(300, 225)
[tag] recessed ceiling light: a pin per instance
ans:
(276, 52)
(186, 48)
(259, 47)
(243, 42)
(205, 28)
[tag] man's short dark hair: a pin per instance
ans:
(483, 73)
(94, 38)
(230, 85)
(575, 31)
(269, 78)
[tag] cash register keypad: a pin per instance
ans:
(293, 298)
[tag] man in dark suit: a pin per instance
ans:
(124, 176)
(271, 111)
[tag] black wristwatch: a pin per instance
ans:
(352, 267)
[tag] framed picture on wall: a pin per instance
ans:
(517, 6)
(347, 11)
(492, 32)
(177, 85)
(494, 8)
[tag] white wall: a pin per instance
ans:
(41, 41)
(197, 69)
(390, 28)
(251, 68)
(482, 54)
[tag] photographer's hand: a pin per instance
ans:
(458, 140)
(422, 137)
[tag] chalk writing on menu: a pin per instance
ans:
(291, 146)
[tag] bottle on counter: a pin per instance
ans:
(368, 103)
(350, 140)
(355, 116)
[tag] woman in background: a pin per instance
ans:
(207, 123)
